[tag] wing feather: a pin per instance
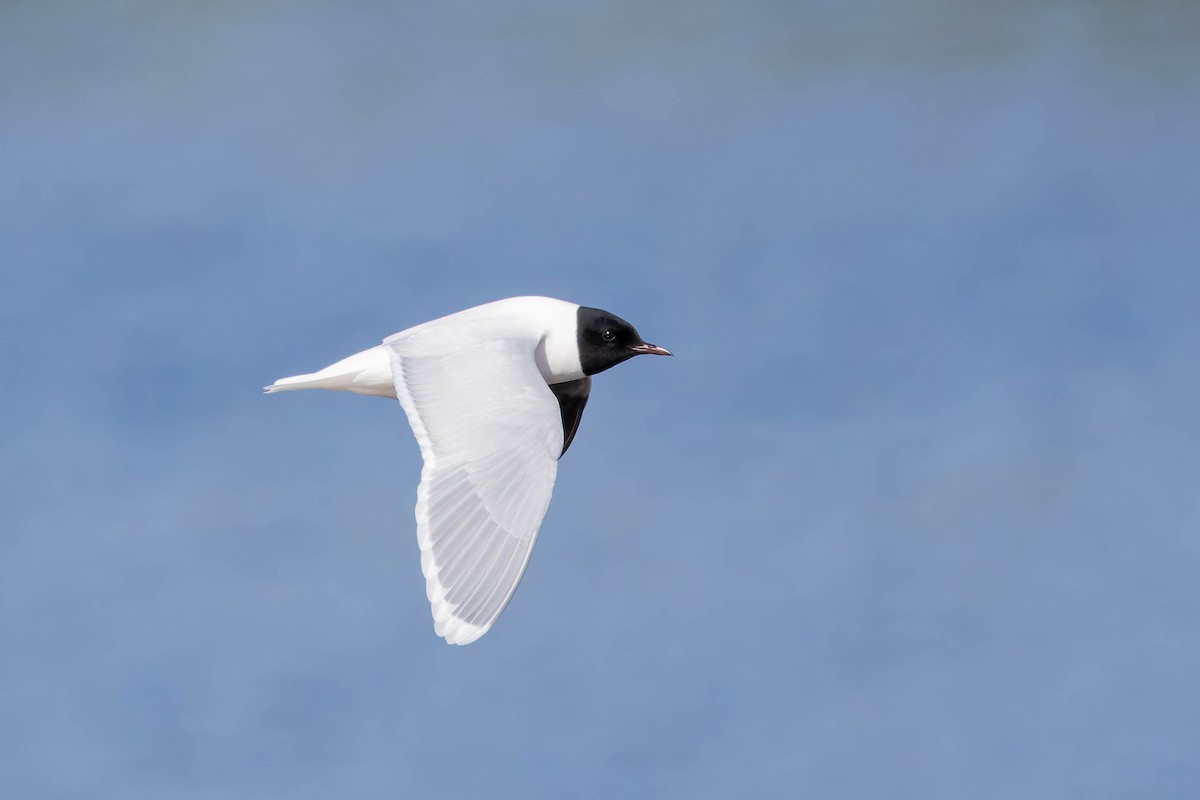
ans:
(572, 397)
(490, 432)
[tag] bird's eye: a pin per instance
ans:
(607, 335)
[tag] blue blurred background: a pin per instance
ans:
(913, 514)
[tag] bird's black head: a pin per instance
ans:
(606, 340)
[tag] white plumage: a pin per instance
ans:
(476, 389)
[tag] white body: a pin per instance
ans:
(548, 322)
(475, 388)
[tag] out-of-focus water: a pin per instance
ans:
(913, 513)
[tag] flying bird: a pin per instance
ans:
(494, 395)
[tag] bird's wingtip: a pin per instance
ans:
(458, 632)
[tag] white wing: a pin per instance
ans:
(490, 433)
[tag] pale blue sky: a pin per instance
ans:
(913, 514)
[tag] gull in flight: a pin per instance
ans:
(494, 395)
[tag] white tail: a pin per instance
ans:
(368, 372)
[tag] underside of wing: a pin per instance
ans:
(490, 433)
(572, 397)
